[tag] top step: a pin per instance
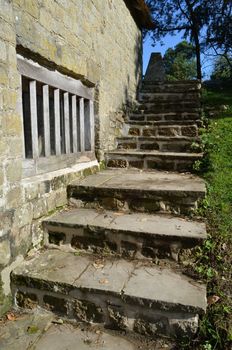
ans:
(168, 86)
(168, 96)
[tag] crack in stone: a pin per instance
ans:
(85, 269)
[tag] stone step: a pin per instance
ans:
(167, 116)
(126, 295)
(161, 107)
(171, 161)
(158, 143)
(134, 235)
(132, 190)
(178, 128)
(170, 87)
(168, 96)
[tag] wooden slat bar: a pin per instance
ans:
(53, 78)
(87, 126)
(46, 120)
(66, 123)
(20, 110)
(34, 124)
(74, 123)
(92, 126)
(57, 121)
(82, 124)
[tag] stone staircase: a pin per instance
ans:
(113, 256)
(161, 132)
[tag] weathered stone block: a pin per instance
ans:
(39, 208)
(61, 198)
(168, 131)
(87, 311)
(55, 304)
(1, 176)
(139, 164)
(14, 171)
(150, 146)
(149, 328)
(190, 131)
(23, 215)
(31, 191)
(117, 319)
(26, 300)
(127, 145)
(134, 132)
(117, 163)
(51, 201)
(5, 252)
(3, 77)
(149, 132)
(14, 197)
(3, 51)
(12, 123)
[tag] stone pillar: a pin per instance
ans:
(155, 69)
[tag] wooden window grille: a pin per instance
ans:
(58, 119)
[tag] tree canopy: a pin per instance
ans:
(180, 62)
(206, 23)
(222, 69)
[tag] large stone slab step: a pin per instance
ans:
(155, 116)
(158, 143)
(170, 106)
(172, 161)
(168, 96)
(120, 294)
(176, 87)
(134, 190)
(131, 235)
(159, 129)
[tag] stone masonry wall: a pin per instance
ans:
(92, 40)
(95, 40)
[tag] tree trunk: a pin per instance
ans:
(198, 55)
(195, 33)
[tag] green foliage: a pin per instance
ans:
(207, 23)
(222, 69)
(213, 260)
(180, 62)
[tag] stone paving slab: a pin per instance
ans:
(66, 337)
(25, 331)
(165, 287)
(166, 123)
(40, 330)
(144, 181)
(109, 276)
(181, 155)
(154, 225)
(112, 276)
(59, 268)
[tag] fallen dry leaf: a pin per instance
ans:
(11, 316)
(212, 299)
(119, 213)
(103, 281)
(98, 265)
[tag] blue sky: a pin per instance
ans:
(171, 41)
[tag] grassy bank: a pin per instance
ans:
(213, 261)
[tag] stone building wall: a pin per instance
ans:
(93, 40)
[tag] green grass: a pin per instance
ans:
(217, 97)
(213, 261)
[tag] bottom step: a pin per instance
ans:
(126, 295)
